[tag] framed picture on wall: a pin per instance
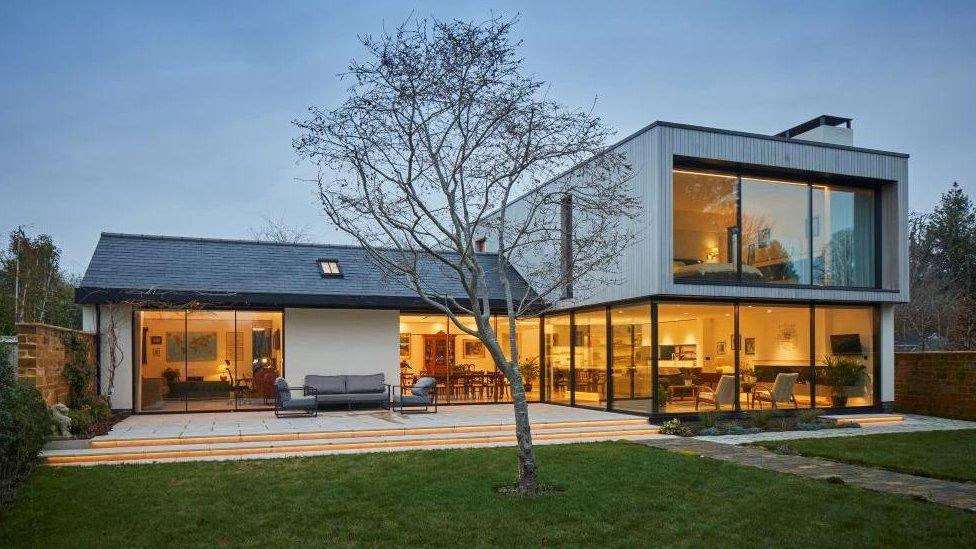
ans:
(155, 353)
(473, 349)
(734, 342)
(156, 340)
(720, 348)
(750, 346)
(404, 346)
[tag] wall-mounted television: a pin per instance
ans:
(846, 344)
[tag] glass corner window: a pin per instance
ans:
(739, 229)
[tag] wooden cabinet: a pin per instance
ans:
(439, 353)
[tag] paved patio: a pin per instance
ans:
(265, 423)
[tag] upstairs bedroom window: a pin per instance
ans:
(739, 228)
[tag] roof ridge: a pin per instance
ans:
(142, 236)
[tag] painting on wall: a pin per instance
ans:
(405, 346)
(720, 348)
(156, 340)
(750, 346)
(199, 346)
(473, 349)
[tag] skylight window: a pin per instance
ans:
(330, 268)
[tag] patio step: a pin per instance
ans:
(347, 444)
(357, 433)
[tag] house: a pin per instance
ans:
(767, 270)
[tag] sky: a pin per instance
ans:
(176, 117)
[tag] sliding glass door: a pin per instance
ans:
(207, 360)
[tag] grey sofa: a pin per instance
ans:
(348, 389)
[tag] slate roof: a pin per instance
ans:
(240, 272)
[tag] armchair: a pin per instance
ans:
(289, 405)
(423, 394)
(722, 394)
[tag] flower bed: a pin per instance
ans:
(712, 424)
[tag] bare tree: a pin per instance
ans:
(278, 230)
(441, 132)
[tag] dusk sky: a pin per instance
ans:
(175, 118)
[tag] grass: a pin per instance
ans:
(939, 454)
(615, 494)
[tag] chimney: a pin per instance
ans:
(825, 128)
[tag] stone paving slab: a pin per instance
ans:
(961, 495)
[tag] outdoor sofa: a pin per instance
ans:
(348, 389)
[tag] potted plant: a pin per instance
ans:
(171, 375)
(529, 368)
(842, 374)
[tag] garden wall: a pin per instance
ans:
(936, 383)
(41, 355)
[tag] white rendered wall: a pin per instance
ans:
(341, 341)
(887, 346)
(121, 397)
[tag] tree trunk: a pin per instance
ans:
(523, 435)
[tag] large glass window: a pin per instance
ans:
(557, 358)
(590, 350)
(845, 355)
(774, 232)
(207, 360)
(705, 226)
(696, 357)
(774, 362)
(432, 346)
(631, 360)
(752, 229)
(843, 236)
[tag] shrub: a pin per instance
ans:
(761, 419)
(708, 418)
(78, 370)
(25, 423)
(808, 415)
(81, 420)
(675, 427)
(98, 407)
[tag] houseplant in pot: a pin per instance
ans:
(529, 367)
(842, 374)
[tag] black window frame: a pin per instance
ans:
(320, 263)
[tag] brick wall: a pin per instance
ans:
(936, 383)
(41, 357)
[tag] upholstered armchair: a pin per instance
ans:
(423, 394)
(781, 391)
(723, 394)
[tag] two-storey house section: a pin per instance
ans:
(765, 275)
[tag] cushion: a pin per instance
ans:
(326, 385)
(299, 403)
(411, 400)
(423, 386)
(350, 397)
(374, 383)
(282, 387)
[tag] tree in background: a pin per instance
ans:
(277, 230)
(942, 276)
(33, 287)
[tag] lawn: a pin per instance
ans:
(615, 494)
(940, 454)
